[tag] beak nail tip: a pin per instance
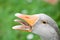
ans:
(16, 20)
(13, 28)
(18, 14)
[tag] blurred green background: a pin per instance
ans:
(9, 7)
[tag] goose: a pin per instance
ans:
(40, 24)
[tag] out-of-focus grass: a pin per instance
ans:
(9, 7)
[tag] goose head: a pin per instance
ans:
(40, 24)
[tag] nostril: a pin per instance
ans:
(27, 17)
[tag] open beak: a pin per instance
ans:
(30, 19)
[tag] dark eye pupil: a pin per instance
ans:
(44, 22)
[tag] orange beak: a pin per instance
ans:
(30, 19)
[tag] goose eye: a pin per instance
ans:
(44, 22)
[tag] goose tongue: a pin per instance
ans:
(23, 26)
(22, 22)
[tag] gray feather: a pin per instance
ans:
(49, 31)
